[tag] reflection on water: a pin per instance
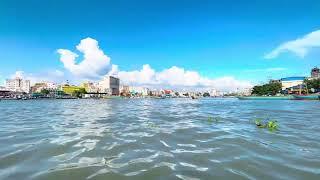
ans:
(158, 139)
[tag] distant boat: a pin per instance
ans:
(307, 97)
(265, 97)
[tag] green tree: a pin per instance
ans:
(267, 89)
(206, 94)
(79, 93)
(313, 84)
(45, 91)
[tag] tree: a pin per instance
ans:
(267, 89)
(206, 94)
(45, 91)
(79, 93)
(313, 84)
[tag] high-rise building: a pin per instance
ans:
(18, 85)
(315, 72)
(110, 85)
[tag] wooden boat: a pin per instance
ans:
(307, 97)
(265, 97)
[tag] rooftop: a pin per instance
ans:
(297, 78)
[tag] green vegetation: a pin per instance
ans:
(45, 91)
(313, 85)
(270, 124)
(79, 93)
(206, 94)
(267, 89)
(213, 119)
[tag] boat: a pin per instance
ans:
(265, 97)
(307, 97)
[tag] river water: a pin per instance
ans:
(158, 139)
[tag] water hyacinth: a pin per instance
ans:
(213, 119)
(270, 124)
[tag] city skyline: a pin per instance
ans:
(160, 44)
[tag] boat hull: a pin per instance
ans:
(265, 97)
(308, 97)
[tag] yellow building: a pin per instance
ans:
(71, 89)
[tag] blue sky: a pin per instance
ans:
(214, 38)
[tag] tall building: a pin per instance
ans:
(110, 85)
(315, 73)
(18, 85)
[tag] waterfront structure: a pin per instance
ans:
(315, 73)
(18, 85)
(110, 85)
(289, 82)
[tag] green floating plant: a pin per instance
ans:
(152, 125)
(213, 119)
(270, 124)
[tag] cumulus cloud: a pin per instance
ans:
(179, 78)
(94, 64)
(300, 46)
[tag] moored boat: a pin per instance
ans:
(265, 97)
(307, 97)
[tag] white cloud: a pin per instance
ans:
(50, 76)
(179, 78)
(300, 46)
(94, 65)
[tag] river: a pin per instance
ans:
(158, 139)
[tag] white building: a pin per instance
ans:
(38, 87)
(139, 90)
(18, 85)
(291, 81)
(110, 85)
(91, 87)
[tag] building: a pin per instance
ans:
(110, 85)
(124, 90)
(67, 89)
(18, 85)
(38, 87)
(90, 87)
(138, 91)
(291, 82)
(315, 73)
